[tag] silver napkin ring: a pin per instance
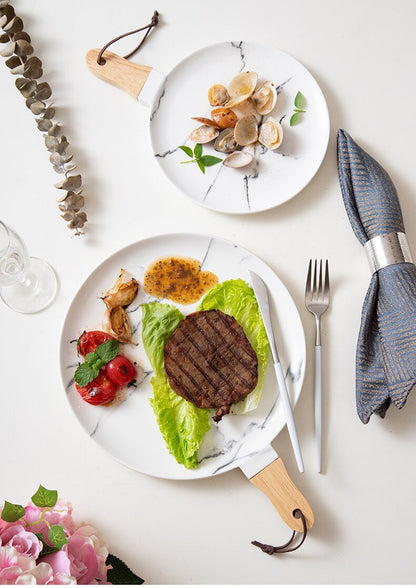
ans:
(387, 249)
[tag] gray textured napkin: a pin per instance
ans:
(386, 350)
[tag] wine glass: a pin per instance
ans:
(27, 284)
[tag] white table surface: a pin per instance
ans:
(198, 532)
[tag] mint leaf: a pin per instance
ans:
(187, 150)
(201, 165)
(57, 537)
(44, 497)
(107, 350)
(85, 373)
(299, 100)
(120, 573)
(294, 119)
(198, 150)
(12, 512)
(209, 160)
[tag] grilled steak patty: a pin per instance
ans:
(210, 362)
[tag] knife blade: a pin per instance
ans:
(262, 296)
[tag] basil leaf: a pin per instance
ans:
(201, 165)
(299, 100)
(187, 150)
(57, 537)
(294, 119)
(198, 150)
(12, 512)
(107, 350)
(85, 373)
(44, 497)
(209, 160)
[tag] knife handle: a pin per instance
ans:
(275, 482)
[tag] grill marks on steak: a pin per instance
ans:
(210, 362)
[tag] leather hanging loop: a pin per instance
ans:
(153, 23)
(286, 547)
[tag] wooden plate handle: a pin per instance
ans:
(275, 482)
(116, 70)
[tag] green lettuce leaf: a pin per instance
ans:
(237, 298)
(182, 424)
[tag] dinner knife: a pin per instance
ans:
(260, 290)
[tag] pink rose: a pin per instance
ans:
(60, 515)
(23, 541)
(87, 555)
(43, 574)
(13, 564)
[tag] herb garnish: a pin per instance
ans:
(203, 161)
(299, 99)
(94, 361)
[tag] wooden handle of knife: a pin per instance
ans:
(275, 482)
(119, 72)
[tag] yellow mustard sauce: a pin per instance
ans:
(179, 279)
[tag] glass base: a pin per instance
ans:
(35, 292)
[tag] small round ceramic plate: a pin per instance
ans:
(128, 429)
(275, 176)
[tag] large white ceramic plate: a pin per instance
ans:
(128, 430)
(276, 176)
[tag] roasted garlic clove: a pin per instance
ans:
(123, 292)
(116, 323)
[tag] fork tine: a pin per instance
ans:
(326, 286)
(320, 292)
(308, 288)
(315, 279)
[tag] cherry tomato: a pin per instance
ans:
(120, 370)
(100, 391)
(90, 340)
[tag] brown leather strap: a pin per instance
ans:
(149, 27)
(286, 547)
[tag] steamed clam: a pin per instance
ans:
(241, 87)
(265, 97)
(205, 121)
(225, 142)
(224, 117)
(218, 95)
(239, 159)
(246, 130)
(204, 134)
(271, 133)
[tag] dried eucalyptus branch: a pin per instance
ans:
(17, 50)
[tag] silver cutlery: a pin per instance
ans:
(317, 302)
(260, 290)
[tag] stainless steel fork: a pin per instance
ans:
(317, 301)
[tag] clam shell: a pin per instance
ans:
(224, 117)
(245, 108)
(246, 130)
(204, 134)
(271, 133)
(205, 121)
(218, 95)
(225, 142)
(241, 87)
(238, 159)
(265, 97)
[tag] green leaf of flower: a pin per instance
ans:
(86, 373)
(198, 150)
(44, 497)
(119, 573)
(56, 536)
(294, 119)
(12, 512)
(201, 165)
(107, 350)
(187, 150)
(299, 100)
(46, 549)
(209, 160)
